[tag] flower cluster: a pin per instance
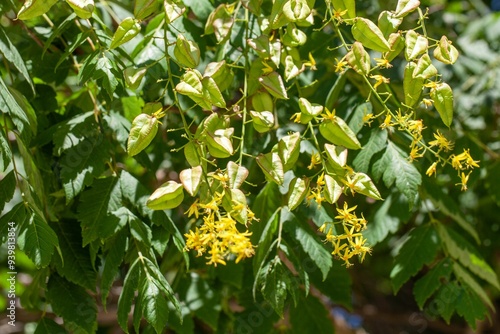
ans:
(350, 241)
(219, 236)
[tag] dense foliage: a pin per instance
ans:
(226, 166)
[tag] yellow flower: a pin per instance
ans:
(340, 66)
(345, 257)
(296, 117)
(193, 209)
(441, 142)
(427, 103)
(464, 179)
(380, 79)
(315, 160)
(345, 214)
(337, 247)
(387, 122)
(415, 153)
(432, 169)
(368, 119)
(383, 63)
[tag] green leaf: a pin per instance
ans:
(72, 46)
(376, 143)
(168, 196)
(73, 131)
(395, 167)
(162, 283)
(334, 93)
(37, 240)
(387, 219)
(18, 215)
(139, 231)
(72, 303)
(8, 186)
(337, 286)
(12, 55)
(359, 59)
(273, 83)
(445, 204)
(105, 68)
(96, 205)
(34, 8)
(19, 118)
(273, 279)
(445, 300)
(75, 264)
(153, 305)
(144, 8)
(5, 152)
(49, 326)
(82, 8)
(128, 293)
(310, 316)
(471, 308)
(113, 258)
(459, 248)
(337, 132)
(82, 163)
(143, 131)
(442, 97)
(272, 166)
(128, 29)
(265, 241)
(432, 281)
(310, 243)
(419, 248)
(367, 33)
(464, 277)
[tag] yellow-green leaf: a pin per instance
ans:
(297, 191)
(191, 179)
(272, 166)
(359, 59)
(442, 96)
(82, 8)
(128, 29)
(445, 52)
(415, 45)
(367, 33)
(34, 8)
(144, 128)
(338, 132)
(144, 8)
(168, 196)
(186, 52)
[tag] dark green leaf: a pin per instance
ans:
(464, 277)
(75, 264)
(445, 301)
(419, 248)
(470, 306)
(12, 55)
(163, 285)
(310, 243)
(18, 215)
(49, 326)
(72, 303)
(5, 152)
(8, 186)
(265, 241)
(310, 316)
(59, 29)
(445, 204)
(459, 248)
(72, 45)
(95, 207)
(274, 284)
(128, 293)
(9, 104)
(139, 231)
(106, 67)
(334, 93)
(113, 258)
(395, 167)
(376, 143)
(154, 306)
(337, 286)
(37, 240)
(433, 280)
